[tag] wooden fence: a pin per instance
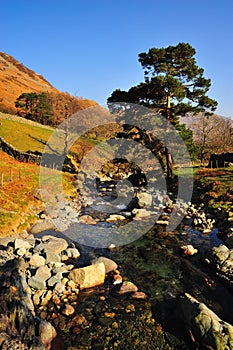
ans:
(12, 174)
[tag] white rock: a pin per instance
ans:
(22, 243)
(37, 260)
(188, 249)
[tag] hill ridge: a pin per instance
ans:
(15, 78)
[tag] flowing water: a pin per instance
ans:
(154, 262)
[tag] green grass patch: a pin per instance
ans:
(217, 186)
(23, 135)
(19, 200)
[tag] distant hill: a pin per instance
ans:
(16, 79)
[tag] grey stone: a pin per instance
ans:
(54, 244)
(52, 257)
(54, 280)
(37, 282)
(144, 199)
(39, 248)
(4, 241)
(21, 251)
(72, 253)
(141, 213)
(60, 269)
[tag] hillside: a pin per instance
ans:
(16, 79)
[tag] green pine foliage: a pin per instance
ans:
(34, 106)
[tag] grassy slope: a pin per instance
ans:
(216, 187)
(18, 206)
(27, 135)
(19, 203)
(23, 134)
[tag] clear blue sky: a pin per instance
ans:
(90, 47)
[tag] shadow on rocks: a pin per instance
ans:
(19, 327)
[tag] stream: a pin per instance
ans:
(156, 264)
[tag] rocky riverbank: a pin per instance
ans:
(62, 295)
(55, 296)
(48, 302)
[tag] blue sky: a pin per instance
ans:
(90, 47)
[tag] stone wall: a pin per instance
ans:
(21, 156)
(49, 160)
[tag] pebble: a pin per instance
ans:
(43, 272)
(68, 310)
(127, 287)
(139, 295)
(188, 249)
(112, 247)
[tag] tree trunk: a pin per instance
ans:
(169, 160)
(169, 163)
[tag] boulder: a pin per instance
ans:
(221, 259)
(54, 244)
(89, 276)
(54, 280)
(43, 272)
(207, 329)
(47, 333)
(109, 264)
(42, 225)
